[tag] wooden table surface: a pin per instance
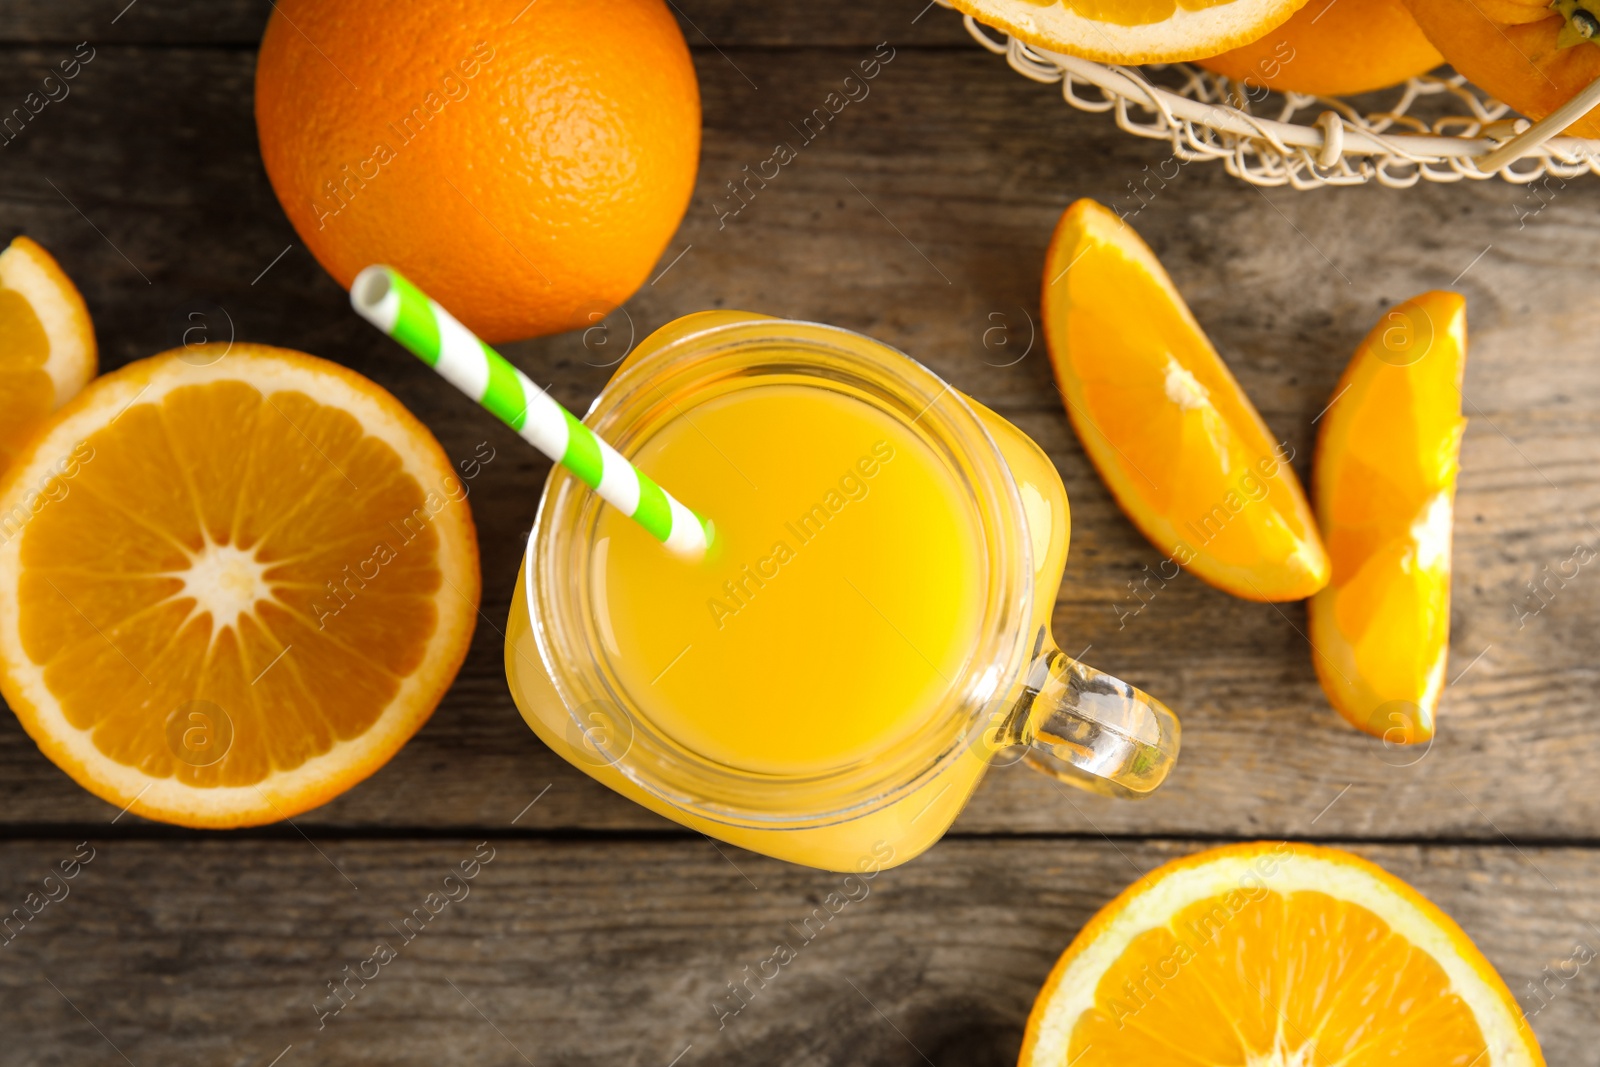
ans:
(601, 934)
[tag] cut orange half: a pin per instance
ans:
(47, 350)
(1175, 438)
(233, 582)
(1385, 482)
(1275, 955)
(1133, 31)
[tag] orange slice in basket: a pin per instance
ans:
(1275, 955)
(233, 582)
(1385, 480)
(1133, 31)
(1175, 438)
(47, 350)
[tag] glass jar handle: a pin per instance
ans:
(1092, 730)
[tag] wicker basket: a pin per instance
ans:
(1437, 129)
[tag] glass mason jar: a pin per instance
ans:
(1018, 695)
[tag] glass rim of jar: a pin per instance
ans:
(654, 388)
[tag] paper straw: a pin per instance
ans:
(398, 308)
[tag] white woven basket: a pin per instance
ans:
(1437, 129)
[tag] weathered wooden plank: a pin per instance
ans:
(1263, 749)
(621, 953)
(141, 21)
(969, 161)
(971, 164)
(707, 24)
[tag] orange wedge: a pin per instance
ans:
(1275, 955)
(47, 350)
(234, 582)
(1175, 438)
(1133, 31)
(1385, 481)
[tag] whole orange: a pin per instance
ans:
(524, 163)
(1334, 48)
(1513, 50)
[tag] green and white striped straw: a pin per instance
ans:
(401, 310)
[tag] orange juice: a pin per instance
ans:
(798, 676)
(841, 600)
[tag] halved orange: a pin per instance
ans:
(47, 350)
(1384, 481)
(246, 579)
(1175, 438)
(1275, 955)
(1133, 31)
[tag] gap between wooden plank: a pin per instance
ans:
(156, 832)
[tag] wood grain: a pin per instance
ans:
(621, 953)
(705, 25)
(601, 934)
